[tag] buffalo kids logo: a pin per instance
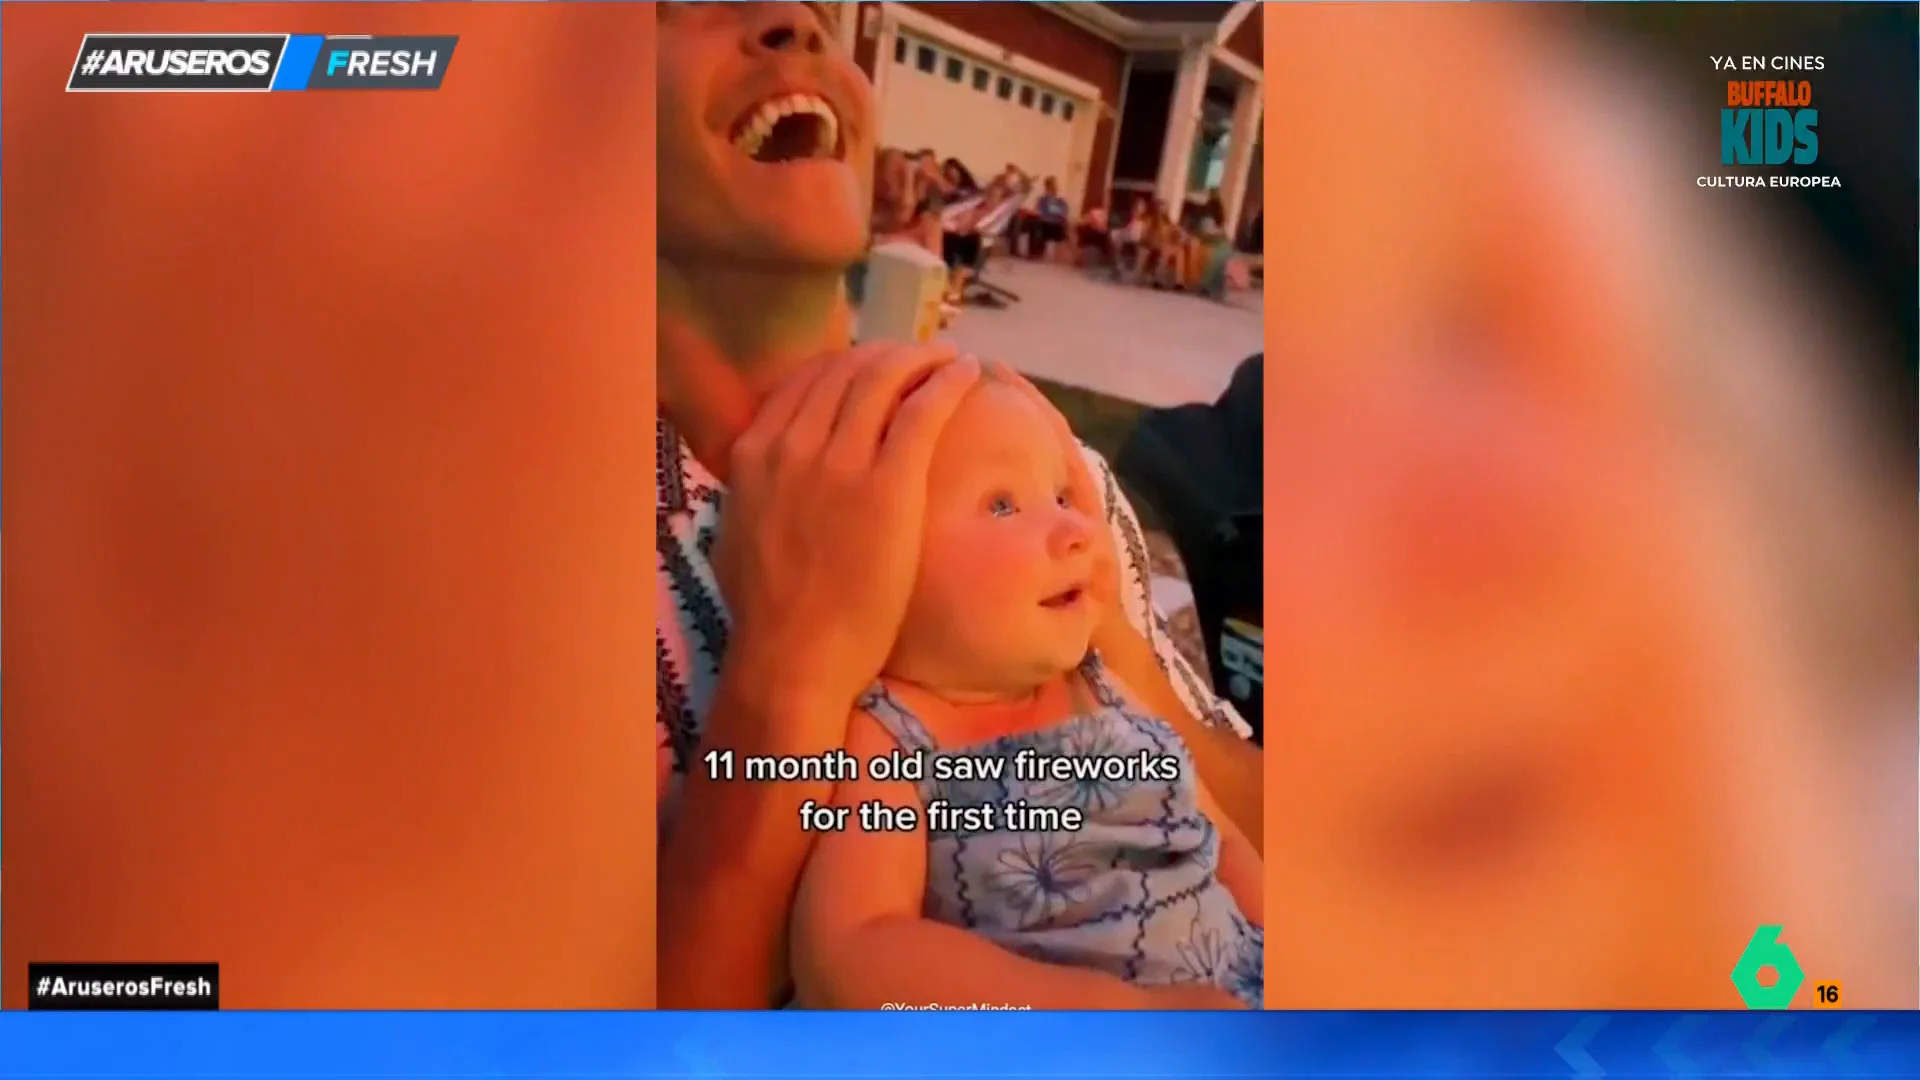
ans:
(1769, 122)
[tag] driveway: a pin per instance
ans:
(1085, 330)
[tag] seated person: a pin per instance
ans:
(932, 189)
(906, 207)
(1253, 237)
(1136, 891)
(959, 183)
(1013, 180)
(1125, 247)
(963, 245)
(1047, 225)
(1147, 249)
(1209, 250)
(1166, 250)
(1090, 235)
(904, 203)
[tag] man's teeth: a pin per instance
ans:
(754, 133)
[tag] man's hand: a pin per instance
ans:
(820, 534)
(819, 545)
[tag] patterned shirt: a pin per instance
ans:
(690, 632)
(1133, 890)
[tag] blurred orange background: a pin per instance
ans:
(1591, 630)
(1591, 614)
(327, 435)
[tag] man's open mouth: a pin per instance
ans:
(792, 127)
(1066, 599)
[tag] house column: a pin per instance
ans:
(1242, 141)
(846, 23)
(1183, 124)
(876, 19)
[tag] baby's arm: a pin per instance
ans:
(1241, 870)
(860, 942)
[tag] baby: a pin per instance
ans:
(1152, 903)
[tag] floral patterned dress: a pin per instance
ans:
(1134, 892)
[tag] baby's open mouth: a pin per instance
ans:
(1066, 599)
(789, 128)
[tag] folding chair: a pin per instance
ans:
(1199, 467)
(993, 230)
(956, 212)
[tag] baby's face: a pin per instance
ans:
(1001, 604)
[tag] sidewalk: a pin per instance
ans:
(1126, 341)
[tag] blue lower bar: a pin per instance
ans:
(296, 64)
(954, 1044)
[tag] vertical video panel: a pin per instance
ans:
(961, 342)
(1592, 601)
(325, 589)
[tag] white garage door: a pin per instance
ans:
(964, 107)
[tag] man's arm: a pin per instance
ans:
(729, 866)
(1241, 870)
(1149, 663)
(816, 553)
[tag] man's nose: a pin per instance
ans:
(1072, 534)
(785, 28)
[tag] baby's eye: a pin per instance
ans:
(1061, 499)
(1002, 506)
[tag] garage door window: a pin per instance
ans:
(955, 68)
(982, 111)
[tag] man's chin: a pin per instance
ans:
(813, 252)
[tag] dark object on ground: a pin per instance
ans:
(1104, 423)
(1199, 467)
(1253, 235)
